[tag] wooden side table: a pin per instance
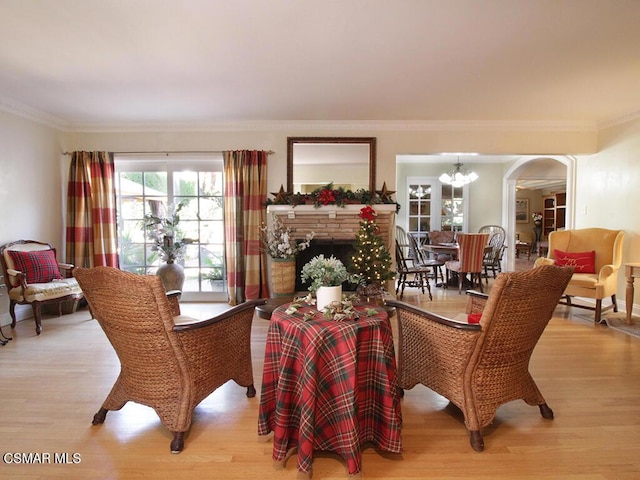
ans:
(631, 270)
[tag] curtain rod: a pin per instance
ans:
(269, 152)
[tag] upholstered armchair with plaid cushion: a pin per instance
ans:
(34, 277)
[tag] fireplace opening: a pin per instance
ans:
(341, 249)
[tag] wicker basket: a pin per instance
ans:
(283, 277)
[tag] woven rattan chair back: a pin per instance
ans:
(168, 361)
(479, 367)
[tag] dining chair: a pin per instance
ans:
(470, 259)
(420, 258)
(493, 257)
(479, 365)
(410, 274)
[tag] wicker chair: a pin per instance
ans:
(169, 362)
(479, 367)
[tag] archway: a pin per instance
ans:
(509, 198)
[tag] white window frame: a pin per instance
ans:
(171, 163)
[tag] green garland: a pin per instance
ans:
(328, 195)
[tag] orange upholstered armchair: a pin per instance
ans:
(596, 255)
(169, 362)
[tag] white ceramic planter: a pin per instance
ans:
(326, 295)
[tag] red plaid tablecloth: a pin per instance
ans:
(330, 385)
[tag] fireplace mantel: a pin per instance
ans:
(334, 222)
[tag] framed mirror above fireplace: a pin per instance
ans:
(347, 162)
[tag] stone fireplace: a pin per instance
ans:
(335, 229)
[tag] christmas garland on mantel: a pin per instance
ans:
(328, 195)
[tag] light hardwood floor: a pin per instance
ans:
(51, 385)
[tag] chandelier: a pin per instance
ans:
(458, 176)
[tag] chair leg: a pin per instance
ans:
(460, 280)
(3, 338)
(476, 440)
(251, 391)
(598, 315)
(426, 280)
(12, 312)
(100, 416)
(37, 314)
(614, 302)
(545, 411)
(177, 444)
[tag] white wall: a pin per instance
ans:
(32, 170)
(608, 190)
(30, 188)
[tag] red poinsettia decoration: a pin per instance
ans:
(326, 196)
(368, 213)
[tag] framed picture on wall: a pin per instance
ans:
(522, 210)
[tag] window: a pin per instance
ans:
(433, 205)
(150, 184)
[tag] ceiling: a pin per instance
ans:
(80, 63)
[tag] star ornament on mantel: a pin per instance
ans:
(385, 194)
(281, 196)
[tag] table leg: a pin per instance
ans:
(629, 299)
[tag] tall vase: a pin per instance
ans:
(283, 277)
(172, 275)
(326, 295)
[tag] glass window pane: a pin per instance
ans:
(131, 207)
(185, 183)
(211, 208)
(211, 183)
(155, 183)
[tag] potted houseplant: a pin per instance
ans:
(282, 248)
(169, 243)
(325, 277)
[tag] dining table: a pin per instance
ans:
(329, 384)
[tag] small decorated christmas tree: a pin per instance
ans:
(371, 261)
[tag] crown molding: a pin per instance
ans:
(619, 120)
(314, 125)
(300, 125)
(32, 114)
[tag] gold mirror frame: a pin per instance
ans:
(371, 141)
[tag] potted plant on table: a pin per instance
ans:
(282, 248)
(325, 276)
(169, 243)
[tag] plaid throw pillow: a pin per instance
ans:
(39, 266)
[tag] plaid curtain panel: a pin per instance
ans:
(245, 196)
(91, 236)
